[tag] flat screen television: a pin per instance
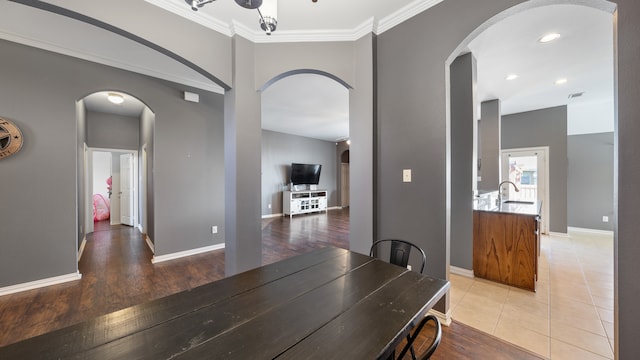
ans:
(305, 174)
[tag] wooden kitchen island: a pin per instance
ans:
(506, 243)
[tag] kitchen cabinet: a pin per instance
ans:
(506, 244)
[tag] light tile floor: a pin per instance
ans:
(571, 314)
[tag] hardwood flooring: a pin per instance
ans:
(117, 273)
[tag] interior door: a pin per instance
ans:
(126, 189)
(528, 169)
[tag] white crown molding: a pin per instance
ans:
(405, 13)
(257, 36)
(182, 9)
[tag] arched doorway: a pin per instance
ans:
(304, 115)
(119, 127)
(606, 9)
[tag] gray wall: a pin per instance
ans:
(39, 92)
(463, 120)
(362, 119)
(489, 143)
(626, 180)
(410, 73)
(545, 127)
(412, 120)
(590, 181)
(188, 171)
(209, 53)
(147, 126)
(81, 129)
(279, 151)
(111, 131)
(242, 109)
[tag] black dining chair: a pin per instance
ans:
(399, 252)
(435, 341)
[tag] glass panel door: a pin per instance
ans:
(527, 168)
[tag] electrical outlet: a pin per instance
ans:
(406, 175)
(214, 229)
(269, 206)
(605, 219)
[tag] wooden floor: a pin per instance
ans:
(117, 273)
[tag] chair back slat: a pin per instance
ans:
(399, 253)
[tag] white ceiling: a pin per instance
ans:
(307, 105)
(583, 54)
(131, 106)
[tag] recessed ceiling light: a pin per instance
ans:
(512, 76)
(549, 37)
(115, 98)
(561, 81)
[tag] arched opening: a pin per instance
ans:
(304, 116)
(115, 135)
(602, 309)
(305, 119)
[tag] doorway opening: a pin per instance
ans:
(528, 168)
(112, 188)
(305, 119)
(113, 180)
(344, 179)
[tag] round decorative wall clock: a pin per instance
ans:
(10, 138)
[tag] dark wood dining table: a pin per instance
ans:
(330, 303)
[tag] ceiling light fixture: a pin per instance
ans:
(115, 98)
(561, 81)
(549, 37)
(267, 11)
(512, 76)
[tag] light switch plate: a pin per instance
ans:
(406, 175)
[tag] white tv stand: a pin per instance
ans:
(303, 201)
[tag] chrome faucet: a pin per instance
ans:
(500, 190)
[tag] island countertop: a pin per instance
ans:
(532, 208)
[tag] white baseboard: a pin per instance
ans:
(139, 226)
(81, 250)
(445, 319)
(461, 271)
(39, 283)
(590, 231)
(150, 243)
(557, 234)
(161, 258)
(268, 216)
